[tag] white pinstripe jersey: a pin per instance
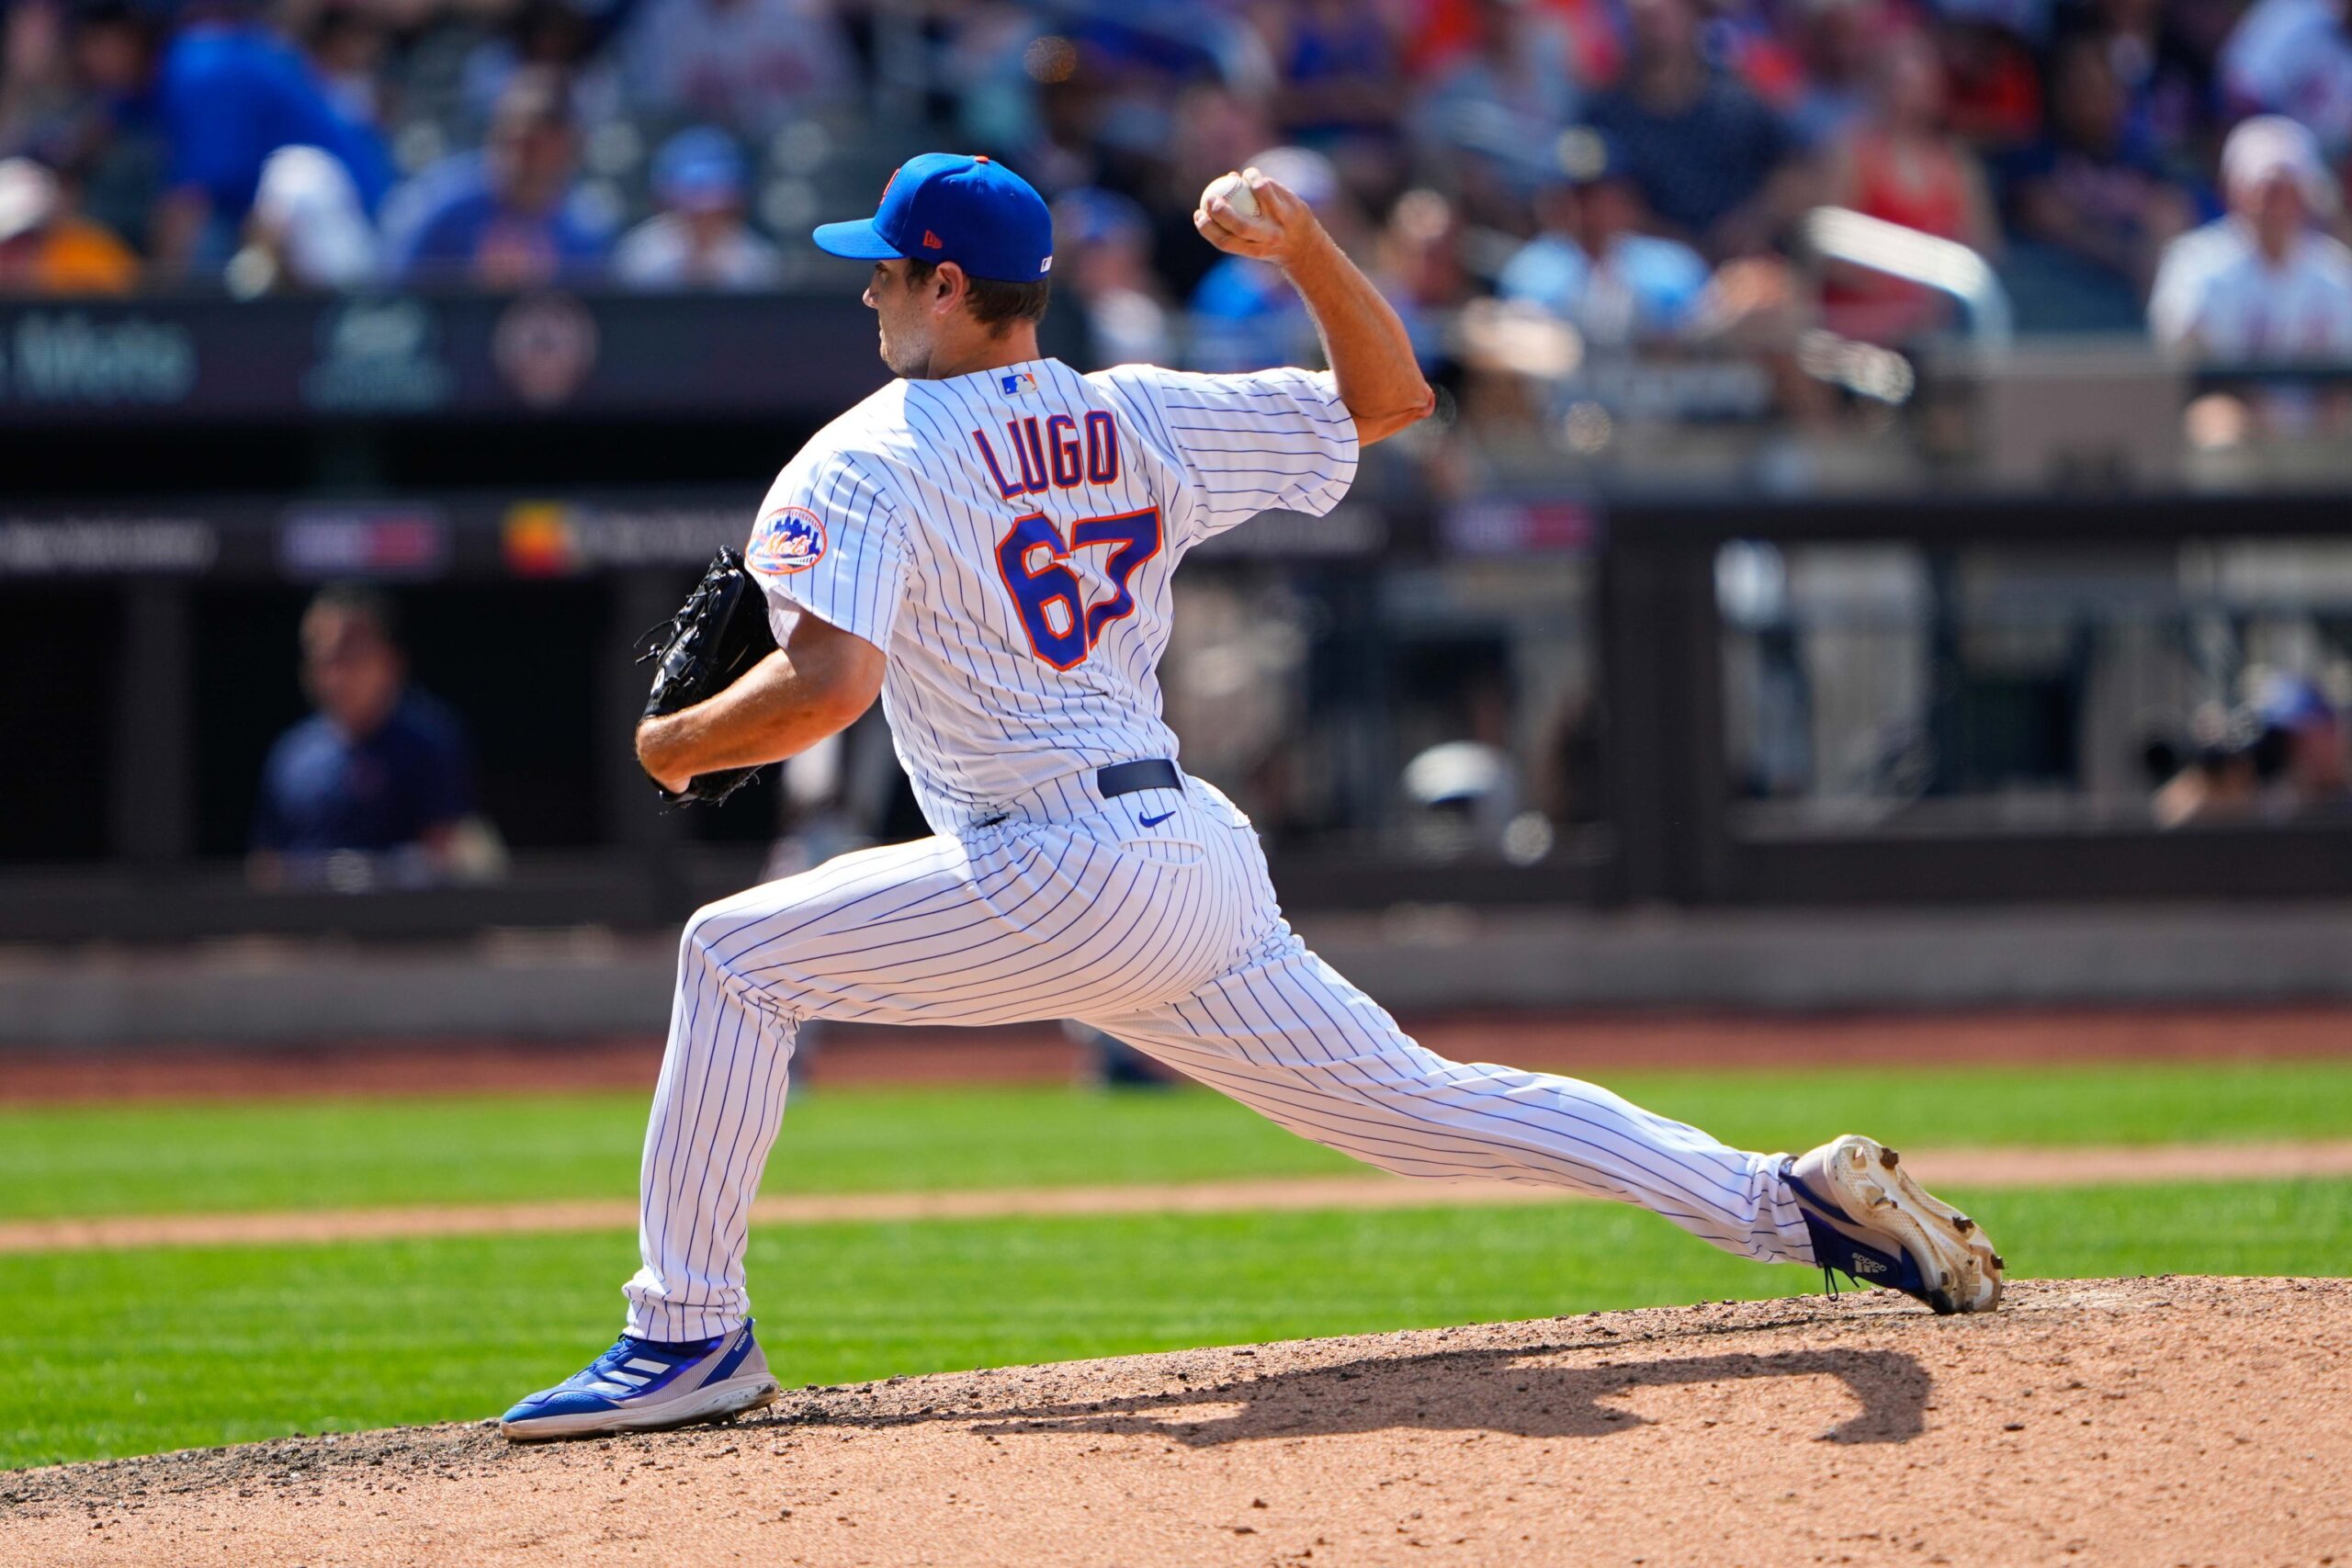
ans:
(1007, 539)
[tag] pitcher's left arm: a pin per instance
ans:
(817, 685)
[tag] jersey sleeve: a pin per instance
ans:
(830, 540)
(1269, 440)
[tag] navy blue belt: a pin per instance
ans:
(1127, 778)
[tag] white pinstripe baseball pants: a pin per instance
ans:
(1165, 934)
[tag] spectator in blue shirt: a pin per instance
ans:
(1339, 70)
(374, 788)
(1712, 162)
(512, 215)
(1592, 264)
(228, 93)
(2094, 207)
(110, 140)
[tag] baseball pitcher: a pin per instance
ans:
(988, 544)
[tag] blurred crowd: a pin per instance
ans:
(1637, 169)
(2281, 754)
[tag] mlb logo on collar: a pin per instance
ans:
(785, 542)
(1018, 382)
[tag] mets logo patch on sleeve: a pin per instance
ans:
(786, 541)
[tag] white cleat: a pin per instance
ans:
(1872, 1223)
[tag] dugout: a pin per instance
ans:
(1973, 649)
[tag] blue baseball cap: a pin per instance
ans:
(950, 206)
(699, 168)
(2290, 701)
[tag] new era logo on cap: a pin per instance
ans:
(947, 206)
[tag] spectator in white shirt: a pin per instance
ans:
(699, 238)
(2262, 283)
(307, 231)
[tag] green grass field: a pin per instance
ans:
(133, 1351)
(79, 1160)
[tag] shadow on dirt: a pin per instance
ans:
(1481, 1391)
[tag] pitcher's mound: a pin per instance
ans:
(2164, 1421)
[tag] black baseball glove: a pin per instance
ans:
(720, 631)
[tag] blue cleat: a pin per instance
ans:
(1874, 1224)
(641, 1386)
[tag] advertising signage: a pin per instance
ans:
(550, 353)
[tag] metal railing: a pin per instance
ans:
(1841, 235)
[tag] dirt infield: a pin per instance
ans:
(2122, 1422)
(1587, 1044)
(2039, 1168)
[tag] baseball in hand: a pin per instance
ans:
(1236, 191)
